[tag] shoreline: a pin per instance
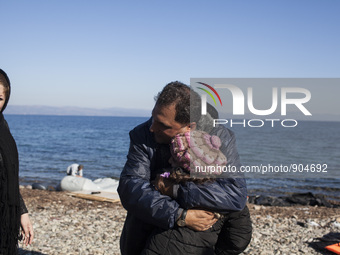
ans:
(331, 192)
(61, 226)
(316, 196)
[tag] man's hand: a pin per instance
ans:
(27, 229)
(200, 220)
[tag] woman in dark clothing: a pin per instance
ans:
(13, 212)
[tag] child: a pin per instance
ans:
(195, 158)
(13, 212)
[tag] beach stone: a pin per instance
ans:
(257, 207)
(336, 224)
(313, 224)
(51, 188)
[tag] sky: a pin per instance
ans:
(102, 54)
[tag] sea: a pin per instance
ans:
(305, 158)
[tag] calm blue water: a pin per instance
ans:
(310, 142)
(48, 144)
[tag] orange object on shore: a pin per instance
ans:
(334, 248)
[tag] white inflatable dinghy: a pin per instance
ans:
(73, 183)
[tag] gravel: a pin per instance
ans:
(69, 225)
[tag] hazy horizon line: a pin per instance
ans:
(132, 112)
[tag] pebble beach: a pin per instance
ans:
(69, 225)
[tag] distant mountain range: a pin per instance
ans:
(116, 111)
(75, 111)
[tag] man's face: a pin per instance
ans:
(164, 125)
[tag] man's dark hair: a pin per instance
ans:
(185, 99)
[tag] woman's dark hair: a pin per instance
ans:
(187, 102)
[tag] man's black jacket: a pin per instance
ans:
(146, 159)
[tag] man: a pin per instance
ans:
(75, 170)
(149, 154)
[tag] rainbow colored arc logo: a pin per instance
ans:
(209, 93)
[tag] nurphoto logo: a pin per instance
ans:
(243, 101)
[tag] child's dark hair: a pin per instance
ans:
(177, 175)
